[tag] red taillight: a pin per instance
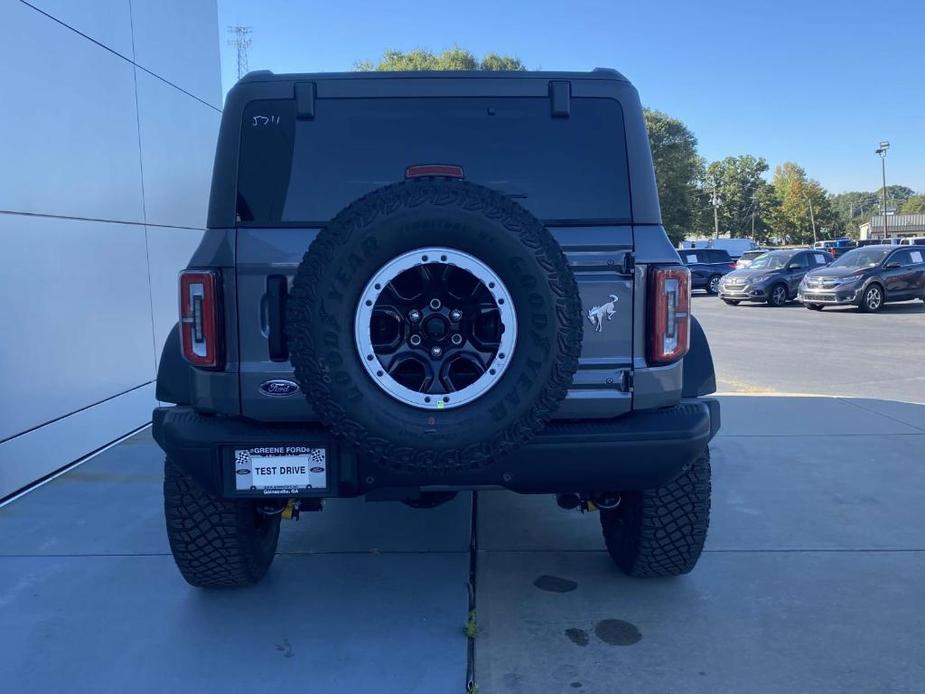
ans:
(200, 324)
(733, 265)
(669, 300)
(448, 170)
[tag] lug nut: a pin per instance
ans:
(455, 315)
(435, 304)
(436, 351)
(415, 340)
(414, 315)
(456, 339)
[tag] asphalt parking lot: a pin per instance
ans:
(811, 579)
(838, 351)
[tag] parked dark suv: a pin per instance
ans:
(414, 284)
(867, 277)
(707, 266)
(772, 278)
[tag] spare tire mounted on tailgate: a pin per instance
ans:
(435, 324)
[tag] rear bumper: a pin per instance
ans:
(638, 451)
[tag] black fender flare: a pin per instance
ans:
(699, 374)
(173, 372)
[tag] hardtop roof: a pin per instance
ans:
(598, 73)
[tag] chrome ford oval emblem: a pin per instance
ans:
(279, 388)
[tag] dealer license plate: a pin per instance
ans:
(280, 470)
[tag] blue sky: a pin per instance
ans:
(819, 83)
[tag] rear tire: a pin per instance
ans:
(216, 543)
(777, 295)
(713, 285)
(660, 532)
(732, 302)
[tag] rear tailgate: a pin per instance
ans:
(568, 167)
(600, 257)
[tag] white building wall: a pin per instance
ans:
(109, 110)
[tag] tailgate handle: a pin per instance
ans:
(277, 292)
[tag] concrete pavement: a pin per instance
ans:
(363, 597)
(811, 578)
(811, 581)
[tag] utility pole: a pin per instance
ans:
(881, 150)
(812, 218)
(241, 41)
(715, 201)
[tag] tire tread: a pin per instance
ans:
(212, 541)
(661, 532)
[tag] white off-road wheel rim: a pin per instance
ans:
(437, 396)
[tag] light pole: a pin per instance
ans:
(881, 150)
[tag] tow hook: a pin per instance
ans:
(588, 504)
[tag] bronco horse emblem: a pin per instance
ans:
(597, 314)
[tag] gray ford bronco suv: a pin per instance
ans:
(414, 284)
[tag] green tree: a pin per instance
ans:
(741, 191)
(856, 207)
(896, 196)
(451, 59)
(493, 61)
(914, 204)
(678, 169)
(851, 210)
(800, 201)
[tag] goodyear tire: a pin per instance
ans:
(216, 543)
(437, 235)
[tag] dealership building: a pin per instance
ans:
(893, 226)
(109, 113)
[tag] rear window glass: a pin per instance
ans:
(305, 171)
